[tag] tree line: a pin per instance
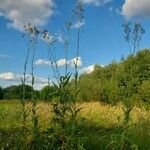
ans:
(114, 82)
(109, 84)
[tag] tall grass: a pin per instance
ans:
(99, 126)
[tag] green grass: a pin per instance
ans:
(99, 126)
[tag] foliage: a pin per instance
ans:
(1, 93)
(109, 84)
(48, 93)
(144, 91)
(15, 92)
(99, 127)
(112, 83)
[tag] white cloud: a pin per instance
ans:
(21, 12)
(136, 8)
(88, 69)
(7, 76)
(43, 62)
(15, 79)
(76, 61)
(78, 24)
(95, 2)
(60, 62)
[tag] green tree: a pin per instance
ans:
(15, 92)
(114, 82)
(1, 93)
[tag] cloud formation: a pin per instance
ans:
(60, 62)
(43, 62)
(95, 2)
(21, 12)
(88, 69)
(16, 79)
(7, 76)
(136, 8)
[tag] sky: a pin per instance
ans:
(102, 38)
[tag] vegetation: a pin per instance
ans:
(15, 92)
(1, 93)
(103, 124)
(111, 83)
(100, 127)
(106, 84)
(106, 109)
(47, 93)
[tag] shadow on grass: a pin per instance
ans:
(91, 135)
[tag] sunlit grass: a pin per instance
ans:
(104, 115)
(99, 125)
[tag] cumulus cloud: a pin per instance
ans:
(95, 2)
(88, 69)
(60, 62)
(43, 62)
(136, 8)
(7, 76)
(15, 79)
(21, 12)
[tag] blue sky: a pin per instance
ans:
(101, 38)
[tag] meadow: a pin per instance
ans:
(104, 109)
(100, 126)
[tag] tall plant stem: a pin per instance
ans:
(24, 86)
(54, 66)
(34, 117)
(77, 59)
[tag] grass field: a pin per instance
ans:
(101, 126)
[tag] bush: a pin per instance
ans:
(47, 93)
(144, 91)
